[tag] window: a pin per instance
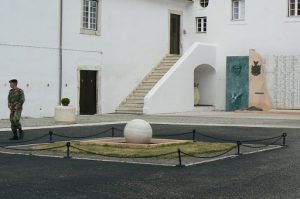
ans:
(294, 7)
(89, 16)
(204, 3)
(201, 24)
(238, 10)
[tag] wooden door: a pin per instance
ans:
(88, 92)
(175, 34)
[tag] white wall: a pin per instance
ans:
(29, 52)
(175, 91)
(136, 36)
(266, 28)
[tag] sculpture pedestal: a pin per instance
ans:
(65, 114)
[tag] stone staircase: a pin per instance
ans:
(134, 103)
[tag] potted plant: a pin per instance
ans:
(65, 113)
(65, 101)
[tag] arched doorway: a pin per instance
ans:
(204, 85)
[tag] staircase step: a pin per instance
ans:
(145, 88)
(151, 80)
(123, 108)
(134, 97)
(147, 83)
(172, 57)
(141, 90)
(163, 69)
(164, 66)
(139, 94)
(157, 73)
(134, 103)
(129, 112)
(167, 61)
(154, 78)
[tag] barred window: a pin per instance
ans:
(90, 14)
(238, 9)
(294, 7)
(204, 3)
(201, 24)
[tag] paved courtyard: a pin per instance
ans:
(286, 119)
(270, 174)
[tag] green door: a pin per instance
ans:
(237, 83)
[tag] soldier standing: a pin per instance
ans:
(16, 99)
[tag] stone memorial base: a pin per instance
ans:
(120, 141)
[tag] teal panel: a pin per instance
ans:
(237, 83)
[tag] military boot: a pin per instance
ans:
(15, 136)
(21, 134)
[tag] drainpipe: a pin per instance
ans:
(60, 51)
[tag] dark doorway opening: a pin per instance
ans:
(175, 34)
(88, 92)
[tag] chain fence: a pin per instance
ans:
(255, 143)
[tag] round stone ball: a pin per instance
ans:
(138, 132)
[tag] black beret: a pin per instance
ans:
(13, 81)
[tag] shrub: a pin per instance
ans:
(65, 101)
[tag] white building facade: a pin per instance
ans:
(96, 52)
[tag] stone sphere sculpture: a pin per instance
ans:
(138, 132)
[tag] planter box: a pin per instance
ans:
(65, 114)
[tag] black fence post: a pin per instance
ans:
(179, 159)
(194, 135)
(284, 139)
(68, 144)
(113, 132)
(50, 136)
(238, 143)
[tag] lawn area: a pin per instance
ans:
(193, 148)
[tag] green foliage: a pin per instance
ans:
(65, 101)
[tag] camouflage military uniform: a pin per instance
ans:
(16, 99)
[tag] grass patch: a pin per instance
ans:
(194, 148)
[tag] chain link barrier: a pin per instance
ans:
(215, 138)
(209, 157)
(262, 146)
(112, 156)
(82, 137)
(173, 135)
(239, 143)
